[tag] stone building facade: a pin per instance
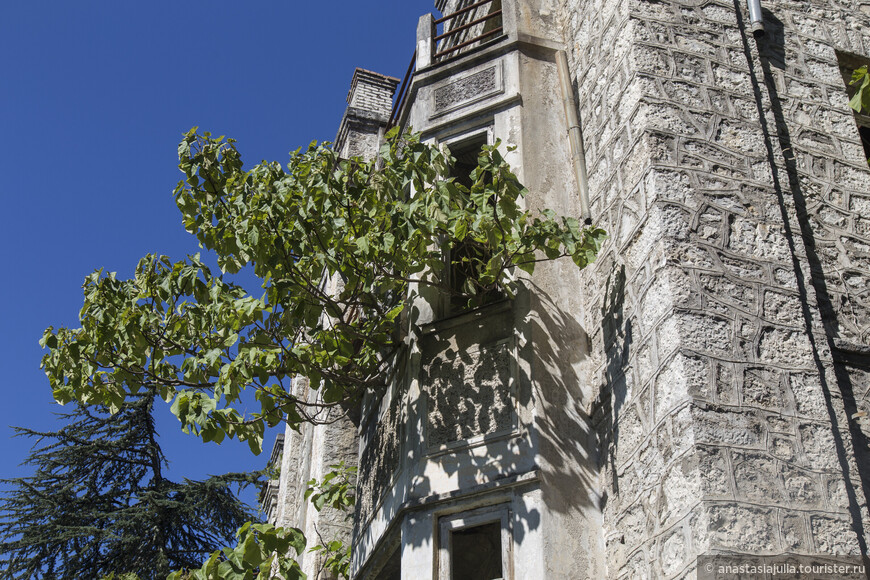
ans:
(703, 387)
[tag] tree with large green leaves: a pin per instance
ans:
(98, 502)
(340, 248)
(264, 549)
(381, 228)
(860, 84)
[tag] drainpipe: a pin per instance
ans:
(575, 134)
(755, 18)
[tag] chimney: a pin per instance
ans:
(369, 103)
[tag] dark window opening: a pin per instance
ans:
(865, 139)
(464, 258)
(493, 23)
(476, 553)
(466, 155)
(392, 570)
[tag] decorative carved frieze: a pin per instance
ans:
(461, 92)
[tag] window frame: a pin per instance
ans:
(483, 135)
(464, 520)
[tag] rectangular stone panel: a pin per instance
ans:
(457, 93)
(470, 396)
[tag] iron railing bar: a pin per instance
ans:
(467, 42)
(462, 11)
(403, 92)
(469, 25)
(399, 109)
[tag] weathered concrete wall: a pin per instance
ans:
(294, 469)
(562, 432)
(371, 91)
(728, 174)
(493, 400)
(369, 102)
(331, 444)
(309, 454)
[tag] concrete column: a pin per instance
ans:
(425, 40)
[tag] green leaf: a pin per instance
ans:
(251, 551)
(860, 101)
(296, 539)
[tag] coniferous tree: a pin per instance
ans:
(99, 502)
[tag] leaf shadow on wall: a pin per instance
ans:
(540, 425)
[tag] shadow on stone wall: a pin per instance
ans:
(617, 335)
(464, 378)
(568, 443)
(771, 51)
(462, 372)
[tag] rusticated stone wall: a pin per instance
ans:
(729, 174)
(381, 445)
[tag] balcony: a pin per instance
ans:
(470, 25)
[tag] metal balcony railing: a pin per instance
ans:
(466, 27)
(402, 94)
(461, 31)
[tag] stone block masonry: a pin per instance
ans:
(369, 103)
(730, 176)
(371, 91)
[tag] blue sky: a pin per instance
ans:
(94, 97)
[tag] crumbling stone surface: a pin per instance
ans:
(380, 444)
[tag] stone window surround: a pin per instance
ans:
(462, 138)
(447, 524)
(483, 133)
